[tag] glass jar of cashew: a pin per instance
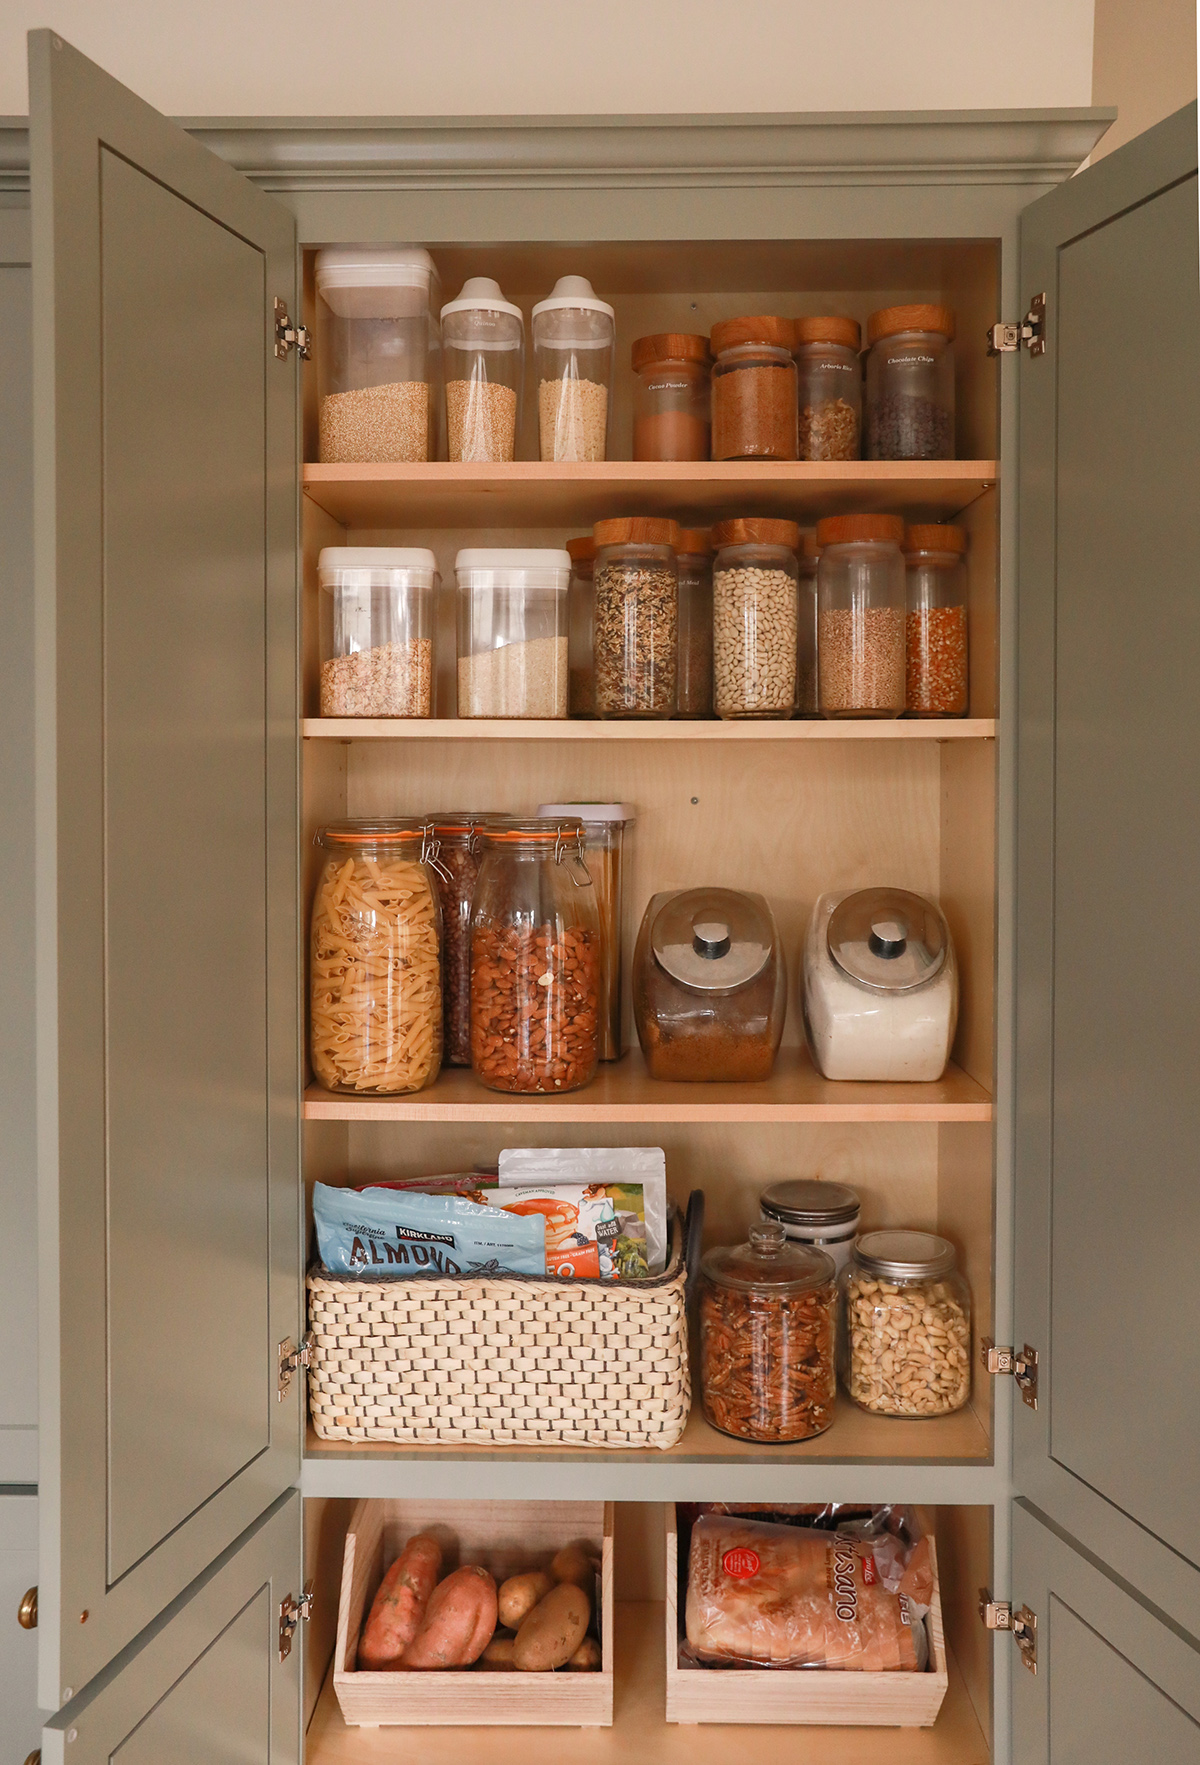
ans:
(375, 999)
(905, 1337)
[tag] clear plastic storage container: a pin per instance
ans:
(694, 673)
(709, 985)
(512, 632)
(604, 826)
(860, 616)
(910, 383)
(581, 627)
(936, 620)
(829, 390)
(376, 631)
(754, 618)
(767, 1317)
(378, 355)
(573, 337)
(483, 362)
(637, 619)
(753, 390)
(375, 980)
(672, 415)
(905, 1342)
(459, 835)
(816, 1212)
(535, 959)
(808, 554)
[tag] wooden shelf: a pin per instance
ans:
(640, 1731)
(622, 1091)
(529, 493)
(516, 729)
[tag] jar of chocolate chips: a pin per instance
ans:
(910, 383)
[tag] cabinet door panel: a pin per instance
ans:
(208, 1687)
(1108, 1214)
(165, 539)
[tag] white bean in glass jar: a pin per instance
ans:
(754, 618)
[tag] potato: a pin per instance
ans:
(575, 1563)
(520, 1594)
(586, 1658)
(458, 1623)
(553, 1630)
(399, 1606)
(497, 1657)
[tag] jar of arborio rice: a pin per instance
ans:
(378, 354)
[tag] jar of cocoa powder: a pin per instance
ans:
(753, 390)
(535, 958)
(671, 414)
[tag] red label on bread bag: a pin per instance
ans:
(741, 1563)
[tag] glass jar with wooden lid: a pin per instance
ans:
(694, 552)
(910, 383)
(754, 618)
(808, 553)
(671, 398)
(637, 616)
(581, 612)
(829, 387)
(860, 616)
(753, 389)
(936, 620)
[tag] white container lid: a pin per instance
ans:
(511, 558)
(585, 812)
(573, 291)
(376, 281)
(482, 294)
(335, 559)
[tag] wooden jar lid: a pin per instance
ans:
(695, 541)
(890, 320)
(669, 346)
(636, 530)
(933, 536)
(833, 329)
(728, 333)
(846, 529)
(757, 531)
(582, 550)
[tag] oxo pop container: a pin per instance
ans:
(376, 630)
(573, 337)
(483, 353)
(512, 632)
(378, 353)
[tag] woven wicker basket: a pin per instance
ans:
(515, 1361)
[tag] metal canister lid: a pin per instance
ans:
(807, 1201)
(713, 939)
(889, 940)
(900, 1256)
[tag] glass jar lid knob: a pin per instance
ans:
(888, 939)
(768, 1237)
(711, 939)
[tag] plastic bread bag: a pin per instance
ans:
(379, 1233)
(761, 1595)
(610, 1165)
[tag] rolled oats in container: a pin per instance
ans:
(754, 618)
(637, 617)
(905, 1341)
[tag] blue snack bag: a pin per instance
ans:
(381, 1233)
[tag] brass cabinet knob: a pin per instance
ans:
(35, 1758)
(27, 1615)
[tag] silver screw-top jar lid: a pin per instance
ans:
(807, 1201)
(904, 1256)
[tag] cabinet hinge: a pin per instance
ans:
(1003, 339)
(1023, 1367)
(292, 1613)
(289, 336)
(999, 1615)
(291, 1359)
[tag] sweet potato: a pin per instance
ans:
(458, 1623)
(553, 1630)
(575, 1564)
(520, 1594)
(399, 1606)
(586, 1659)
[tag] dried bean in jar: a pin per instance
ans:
(766, 1362)
(754, 642)
(534, 1006)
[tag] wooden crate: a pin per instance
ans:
(809, 1695)
(506, 1538)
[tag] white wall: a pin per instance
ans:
(480, 57)
(1144, 62)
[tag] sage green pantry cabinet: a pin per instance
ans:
(168, 704)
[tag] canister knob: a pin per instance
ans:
(711, 939)
(887, 938)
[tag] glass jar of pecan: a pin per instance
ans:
(636, 635)
(459, 835)
(936, 621)
(767, 1315)
(535, 959)
(905, 1342)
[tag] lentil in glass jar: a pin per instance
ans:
(767, 1326)
(910, 383)
(637, 618)
(754, 618)
(936, 620)
(672, 417)
(753, 390)
(808, 703)
(694, 556)
(860, 616)
(905, 1337)
(581, 620)
(829, 388)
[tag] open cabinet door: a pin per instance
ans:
(1108, 878)
(165, 499)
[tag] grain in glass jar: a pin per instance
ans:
(483, 356)
(535, 959)
(637, 621)
(754, 618)
(672, 417)
(910, 383)
(753, 390)
(936, 620)
(573, 337)
(378, 353)
(460, 848)
(375, 983)
(767, 1326)
(694, 556)
(376, 629)
(829, 388)
(581, 625)
(905, 1337)
(860, 616)
(808, 702)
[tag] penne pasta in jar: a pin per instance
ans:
(375, 985)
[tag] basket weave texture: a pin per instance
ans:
(511, 1361)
